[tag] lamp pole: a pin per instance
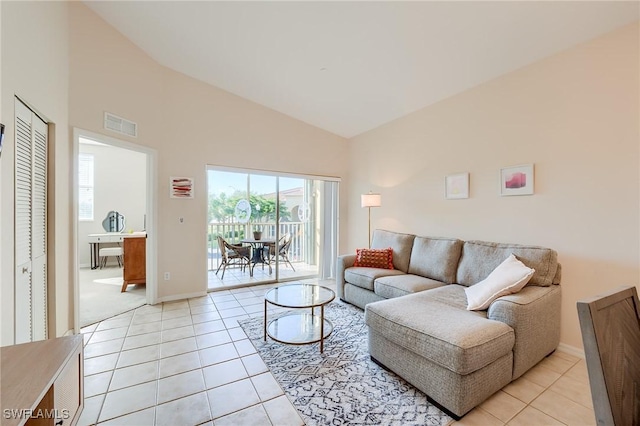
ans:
(369, 227)
(370, 200)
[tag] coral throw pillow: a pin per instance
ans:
(374, 258)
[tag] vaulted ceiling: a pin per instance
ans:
(348, 67)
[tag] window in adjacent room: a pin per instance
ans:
(85, 193)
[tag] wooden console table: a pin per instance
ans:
(42, 382)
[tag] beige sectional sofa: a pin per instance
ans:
(419, 325)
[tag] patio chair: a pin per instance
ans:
(233, 255)
(283, 252)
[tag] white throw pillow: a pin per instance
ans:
(508, 278)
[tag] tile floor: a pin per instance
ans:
(189, 363)
(234, 276)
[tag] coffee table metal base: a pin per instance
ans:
(300, 329)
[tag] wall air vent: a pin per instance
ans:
(120, 125)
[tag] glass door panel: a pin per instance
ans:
(290, 213)
(264, 210)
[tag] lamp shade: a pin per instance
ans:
(370, 200)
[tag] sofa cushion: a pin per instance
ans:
(435, 258)
(401, 245)
(452, 295)
(479, 258)
(508, 278)
(374, 258)
(364, 277)
(459, 340)
(401, 285)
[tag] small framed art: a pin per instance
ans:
(516, 180)
(456, 186)
(181, 187)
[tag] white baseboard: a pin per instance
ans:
(181, 296)
(69, 333)
(571, 350)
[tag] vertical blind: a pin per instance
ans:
(85, 192)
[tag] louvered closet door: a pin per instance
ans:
(30, 226)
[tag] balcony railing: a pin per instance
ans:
(235, 232)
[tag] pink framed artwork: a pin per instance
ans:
(517, 180)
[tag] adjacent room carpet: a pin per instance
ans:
(100, 296)
(342, 385)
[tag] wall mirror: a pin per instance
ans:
(114, 222)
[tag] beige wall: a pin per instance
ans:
(35, 67)
(190, 124)
(120, 183)
(574, 115)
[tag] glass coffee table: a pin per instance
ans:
(299, 328)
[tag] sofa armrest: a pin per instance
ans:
(343, 262)
(534, 315)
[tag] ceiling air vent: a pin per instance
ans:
(120, 125)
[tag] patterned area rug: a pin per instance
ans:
(342, 385)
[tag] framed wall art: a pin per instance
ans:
(456, 186)
(516, 180)
(181, 187)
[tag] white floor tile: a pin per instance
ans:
(252, 416)
(144, 417)
(92, 406)
(100, 364)
(180, 385)
(224, 373)
(209, 327)
(217, 354)
(103, 348)
(177, 333)
(129, 400)
(282, 413)
(191, 410)
(138, 356)
(179, 364)
(134, 375)
(141, 340)
(232, 397)
(266, 386)
(97, 383)
(213, 339)
(178, 347)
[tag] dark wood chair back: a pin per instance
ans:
(610, 325)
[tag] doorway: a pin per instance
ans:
(285, 224)
(112, 204)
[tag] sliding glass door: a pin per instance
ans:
(287, 223)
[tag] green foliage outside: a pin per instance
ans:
(263, 210)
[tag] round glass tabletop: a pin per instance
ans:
(299, 295)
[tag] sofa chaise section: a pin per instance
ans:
(456, 357)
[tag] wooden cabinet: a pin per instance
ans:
(42, 382)
(135, 261)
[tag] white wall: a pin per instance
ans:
(35, 67)
(575, 115)
(119, 184)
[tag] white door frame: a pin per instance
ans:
(151, 214)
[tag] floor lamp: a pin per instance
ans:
(370, 200)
